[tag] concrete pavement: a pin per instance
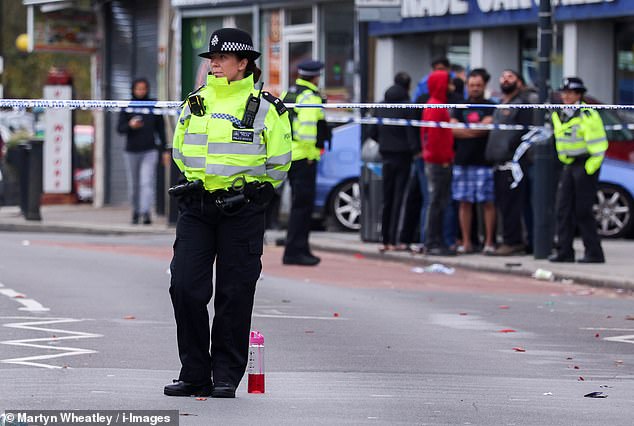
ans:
(617, 272)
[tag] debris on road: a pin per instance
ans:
(548, 394)
(506, 330)
(504, 307)
(596, 395)
(129, 317)
(543, 275)
(435, 268)
(519, 349)
(581, 379)
(629, 317)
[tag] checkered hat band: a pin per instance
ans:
(230, 46)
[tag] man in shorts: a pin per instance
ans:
(472, 174)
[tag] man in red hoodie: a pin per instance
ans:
(438, 153)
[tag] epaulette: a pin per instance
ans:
(587, 112)
(277, 102)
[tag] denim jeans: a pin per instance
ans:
(141, 174)
(439, 185)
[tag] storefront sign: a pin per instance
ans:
(67, 30)
(419, 8)
(57, 143)
(444, 15)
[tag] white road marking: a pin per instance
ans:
(30, 305)
(33, 324)
(606, 329)
(622, 339)
(298, 317)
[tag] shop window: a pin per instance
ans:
(300, 16)
(338, 42)
(530, 52)
(625, 64)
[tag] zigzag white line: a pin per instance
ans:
(31, 325)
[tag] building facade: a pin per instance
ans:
(285, 32)
(592, 39)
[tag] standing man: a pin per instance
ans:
(231, 159)
(310, 131)
(501, 146)
(397, 145)
(581, 143)
(472, 174)
(438, 154)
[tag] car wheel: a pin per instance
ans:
(345, 206)
(613, 211)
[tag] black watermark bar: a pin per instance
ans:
(89, 417)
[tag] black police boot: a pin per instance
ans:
(562, 258)
(180, 388)
(135, 218)
(147, 219)
(223, 390)
(302, 260)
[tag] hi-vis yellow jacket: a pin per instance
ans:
(305, 124)
(211, 148)
(581, 135)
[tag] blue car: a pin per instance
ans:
(338, 197)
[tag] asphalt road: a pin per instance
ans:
(86, 323)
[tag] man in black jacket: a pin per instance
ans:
(145, 137)
(397, 145)
(501, 146)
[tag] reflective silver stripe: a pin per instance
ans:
(236, 148)
(177, 154)
(598, 154)
(595, 141)
(276, 174)
(569, 140)
(305, 96)
(307, 123)
(223, 170)
(194, 162)
(574, 152)
(307, 138)
(185, 114)
(258, 123)
(195, 139)
(279, 159)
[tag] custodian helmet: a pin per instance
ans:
(231, 40)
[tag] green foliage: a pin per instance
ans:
(25, 73)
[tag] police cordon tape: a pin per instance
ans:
(172, 108)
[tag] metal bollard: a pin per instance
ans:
(30, 166)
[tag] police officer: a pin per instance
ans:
(232, 143)
(581, 144)
(310, 131)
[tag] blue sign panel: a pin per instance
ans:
(443, 15)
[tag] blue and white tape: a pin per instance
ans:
(172, 108)
(113, 104)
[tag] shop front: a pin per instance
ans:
(286, 33)
(592, 39)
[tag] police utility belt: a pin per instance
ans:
(228, 201)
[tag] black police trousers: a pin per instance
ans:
(510, 201)
(303, 179)
(576, 194)
(204, 237)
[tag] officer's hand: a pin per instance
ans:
(260, 193)
(593, 164)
